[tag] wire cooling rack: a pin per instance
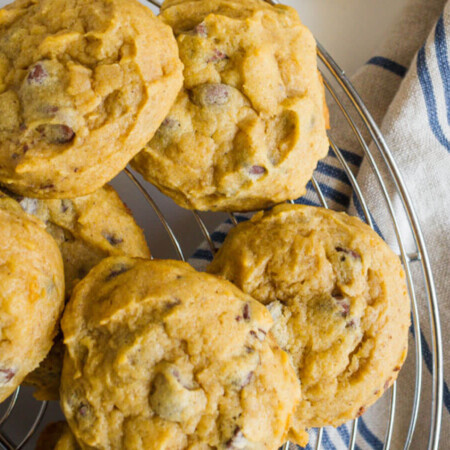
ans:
(343, 94)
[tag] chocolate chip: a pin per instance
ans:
(173, 304)
(257, 170)
(37, 74)
(201, 30)
(112, 239)
(350, 324)
(6, 375)
(83, 410)
(47, 186)
(361, 411)
(238, 318)
(65, 205)
(343, 305)
(246, 312)
(176, 374)
(238, 440)
(214, 94)
(57, 133)
(247, 379)
(25, 148)
(52, 109)
(217, 56)
(116, 272)
(170, 123)
(349, 252)
(259, 334)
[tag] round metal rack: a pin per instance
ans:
(360, 122)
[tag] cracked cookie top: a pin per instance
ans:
(161, 356)
(84, 84)
(249, 125)
(339, 301)
(31, 297)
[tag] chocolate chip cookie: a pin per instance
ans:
(84, 84)
(161, 356)
(87, 229)
(249, 125)
(339, 300)
(31, 296)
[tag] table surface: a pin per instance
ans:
(350, 30)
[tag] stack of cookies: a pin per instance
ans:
(220, 105)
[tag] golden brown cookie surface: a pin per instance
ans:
(248, 127)
(87, 229)
(83, 86)
(31, 296)
(161, 356)
(338, 297)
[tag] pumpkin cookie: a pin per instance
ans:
(339, 300)
(31, 296)
(87, 229)
(249, 126)
(84, 84)
(161, 356)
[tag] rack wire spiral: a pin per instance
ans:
(353, 109)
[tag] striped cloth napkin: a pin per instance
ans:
(406, 87)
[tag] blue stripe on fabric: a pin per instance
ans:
(329, 445)
(218, 236)
(389, 65)
(350, 157)
(345, 435)
(334, 194)
(446, 397)
(430, 100)
(241, 218)
(428, 358)
(333, 172)
(368, 436)
(361, 215)
(440, 43)
(203, 254)
(305, 201)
